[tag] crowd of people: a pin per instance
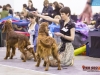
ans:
(49, 9)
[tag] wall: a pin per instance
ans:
(4, 2)
(76, 5)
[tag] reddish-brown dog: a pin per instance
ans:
(46, 46)
(12, 38)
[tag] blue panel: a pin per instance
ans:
(95, 2)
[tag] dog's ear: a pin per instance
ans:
(7, 26)
(46, 28)
(46, 23)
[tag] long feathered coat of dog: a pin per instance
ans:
(46, 46)
(12, 38)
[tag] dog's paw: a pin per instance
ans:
(10, 58)
(46, 69)
(5, 58)
(59, 68)
(37, 65)
(35, 60)
(23, 60)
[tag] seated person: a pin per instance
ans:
(17, 15)
(54, 27)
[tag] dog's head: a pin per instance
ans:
(7, 26)
(44, 28)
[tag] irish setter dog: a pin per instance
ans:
(13, 38)
(46, 46)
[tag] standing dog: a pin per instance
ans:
(12, 38)
(46, 46)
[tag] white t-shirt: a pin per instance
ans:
(31, 32)
(50, 34)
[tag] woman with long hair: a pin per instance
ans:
(30, 6)
(56, 10)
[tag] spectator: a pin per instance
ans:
(24, 10)
(61, 5)
(4, 13)
(9, 8)
(0, 8)
(33, 30)
(56, 10)
(47, 10)
(30, 6)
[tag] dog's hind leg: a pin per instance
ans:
(58, 61)
(44, 64)
(32, 51)
(38, 60)
(7, 52)
(24, 53)
(46, 59)
(56, 56)
(24, 60)
(13, 52)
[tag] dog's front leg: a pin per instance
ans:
(7, 52)
(58, 61)
(24, 53)
(44, 64)
(38, 60)
(46, 59)
(25, 56)
(32, 51)
(13, 52)
(56, 56)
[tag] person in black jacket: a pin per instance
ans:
(56, 9)
(47, 11)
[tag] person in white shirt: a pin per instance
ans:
(33, 30)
